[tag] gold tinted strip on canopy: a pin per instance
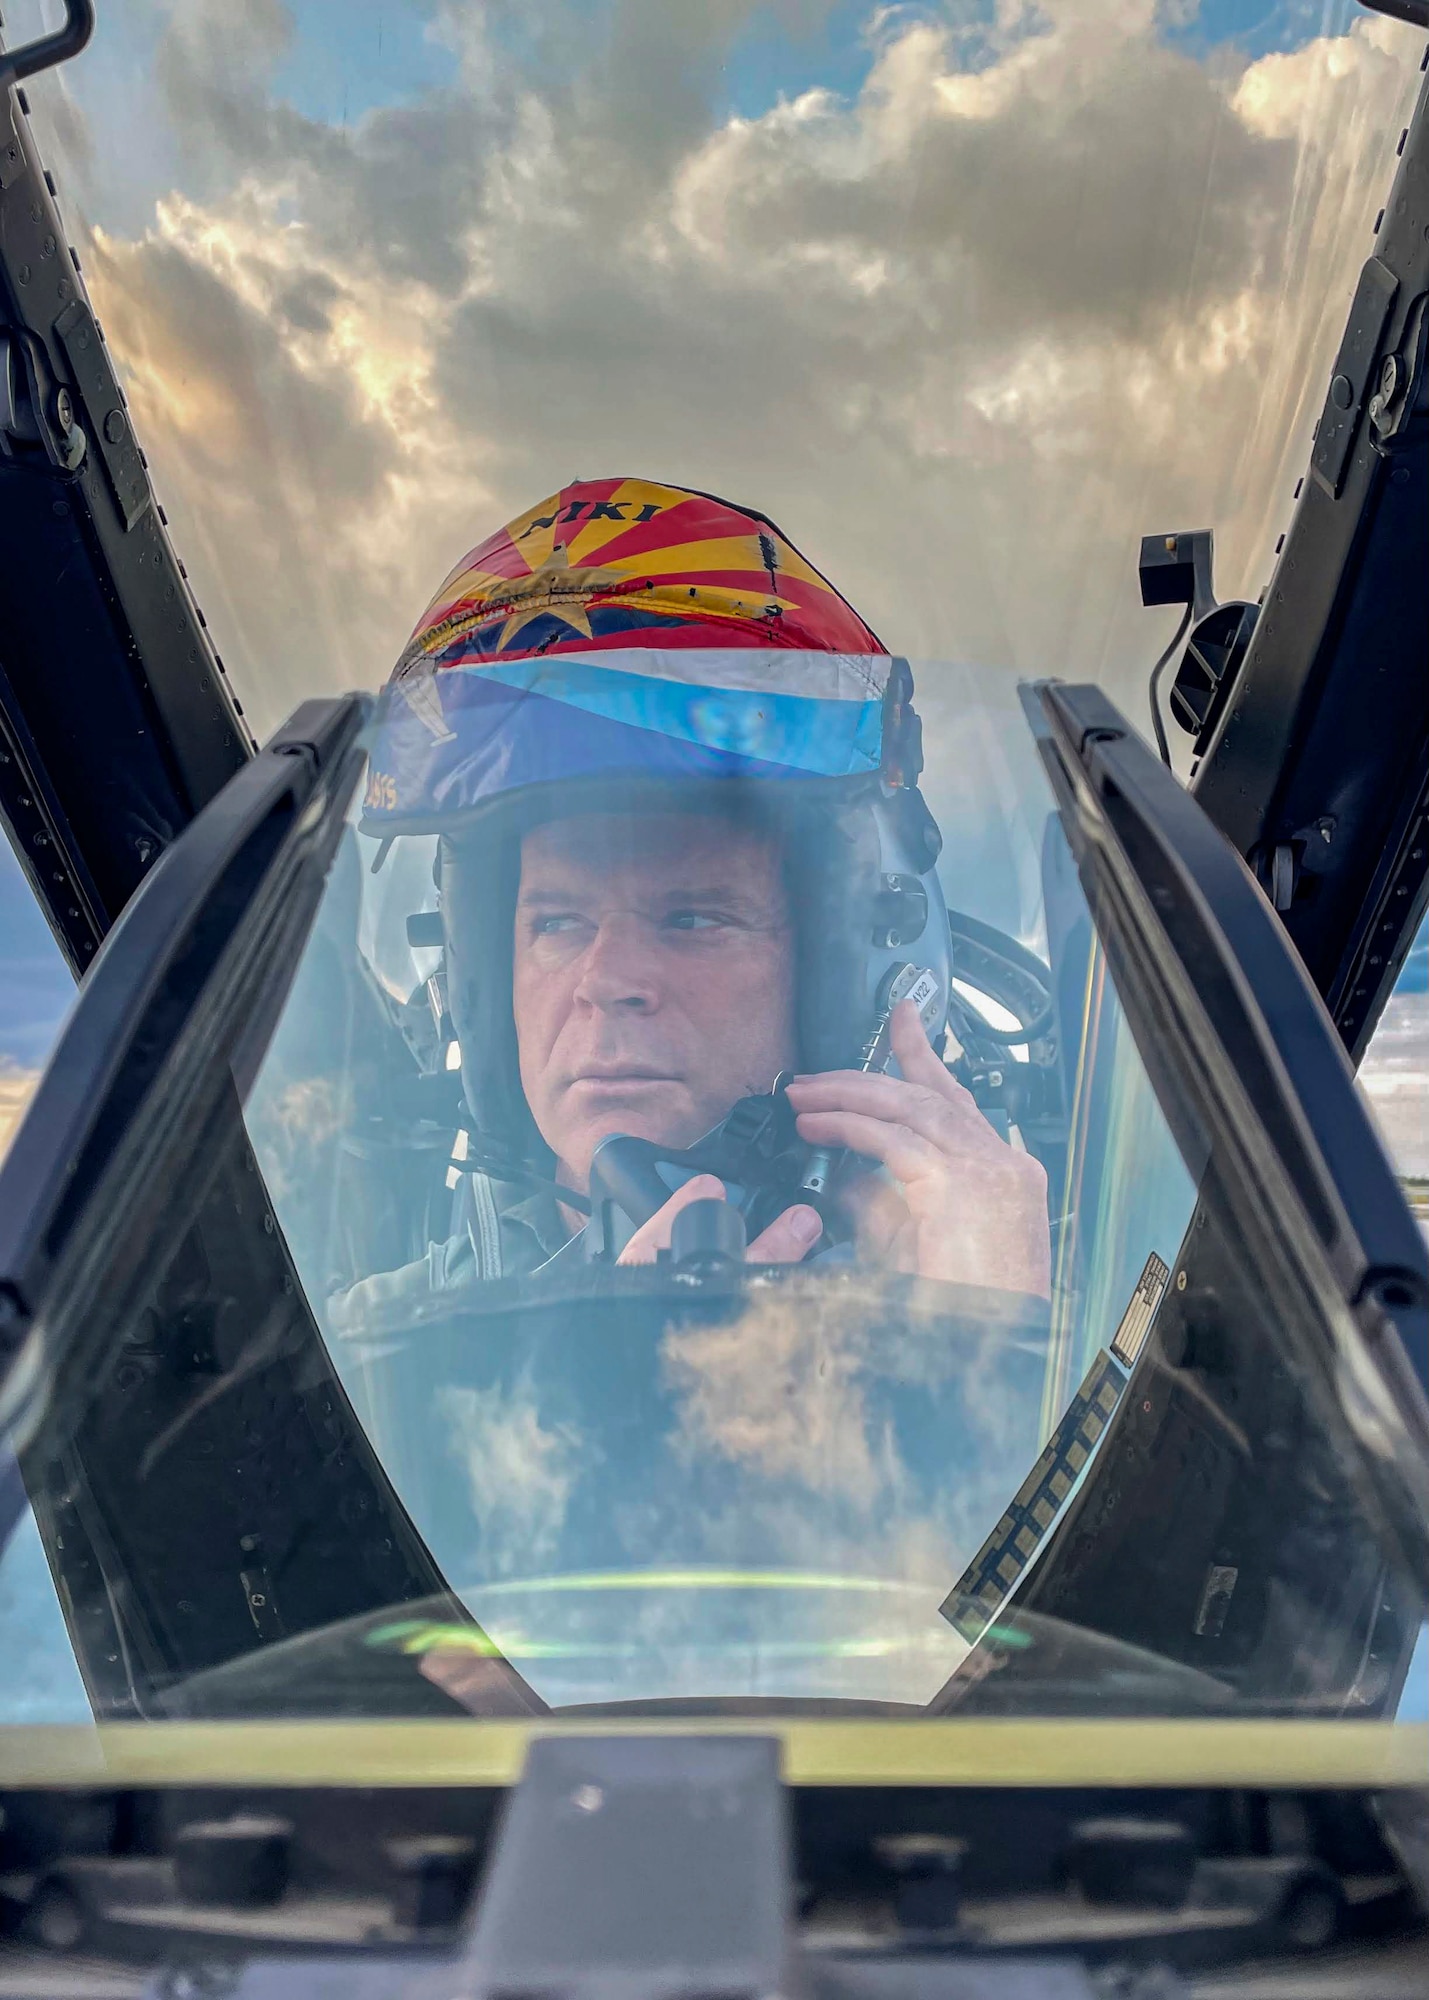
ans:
(1001, 1753)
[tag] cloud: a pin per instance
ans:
(1395, 1078)
(17, 1087)
(1033, 290)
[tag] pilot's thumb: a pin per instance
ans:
(653, 1236)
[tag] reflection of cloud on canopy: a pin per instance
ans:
(967, 334)
(778, 1391)
(803, 1491)
(520, 1474)
(294, 1126)
(871, 1426)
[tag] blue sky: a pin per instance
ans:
(351, 55)
(1415, 976)
(35, 983)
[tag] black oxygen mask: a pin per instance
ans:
(755, 1151)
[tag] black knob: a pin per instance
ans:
(707, 1235)
(1144, 1861)
(925, 1867)
(240, 1862)
(434, 1874)
(1311, 1911)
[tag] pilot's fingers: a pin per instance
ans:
(951, 1122)
(978, 1219)
(654, 1235)
(788, 1239)
(917, 1058)
(921, 1067)
(907, 1155)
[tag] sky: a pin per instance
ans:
(967, 296)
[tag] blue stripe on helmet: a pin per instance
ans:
(450, 742)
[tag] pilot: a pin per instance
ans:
(683, 853)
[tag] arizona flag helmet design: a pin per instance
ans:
(624, 630)
(625, 562)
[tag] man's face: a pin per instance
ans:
(654, 977)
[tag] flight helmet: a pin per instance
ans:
(630, 646)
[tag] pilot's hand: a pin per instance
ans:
(788, 1238)
(963, 1206)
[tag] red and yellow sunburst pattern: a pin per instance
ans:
(624, 562)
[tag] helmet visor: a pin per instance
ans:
(454, 741)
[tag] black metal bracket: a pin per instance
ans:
(1315, 767)
(136, 732)
(47, 51)
(1176, 569)
(1415, 12)
(1206, 928)
(1179, 569)
(142, 987)
(1350, 379)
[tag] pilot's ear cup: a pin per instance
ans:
(832, 858)
(707, 1234)
(480, 871)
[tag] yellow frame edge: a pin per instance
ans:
(996, 1753)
